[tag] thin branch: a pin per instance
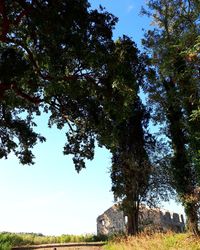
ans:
(30, 54)
(66, 117)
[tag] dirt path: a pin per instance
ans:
(67, 246)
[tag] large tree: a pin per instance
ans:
(131, 166)
(63, 61)
(174, 89)
(117, 119)
(123, 130)
(47, 48)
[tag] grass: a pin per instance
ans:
(8, 240)
(157, 241)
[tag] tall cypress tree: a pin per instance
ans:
(174, 89)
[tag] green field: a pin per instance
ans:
(157, 241)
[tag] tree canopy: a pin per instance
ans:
(59, 57)
(48, 48)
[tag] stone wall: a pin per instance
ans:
(113, 220)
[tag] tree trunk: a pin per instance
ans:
(192, 218)
(133, 222)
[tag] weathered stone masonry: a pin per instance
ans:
(113, 221)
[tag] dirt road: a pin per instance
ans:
(67, 246)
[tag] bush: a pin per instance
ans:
(7, 240)
(5, 246)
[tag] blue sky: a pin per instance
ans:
(50, 197)
(130, 22)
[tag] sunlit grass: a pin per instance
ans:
(157, 241)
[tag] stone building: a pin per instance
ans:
(113, 221)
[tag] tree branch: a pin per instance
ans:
(30, 55)
(19, 92)
(33, 99)
(66, 117)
